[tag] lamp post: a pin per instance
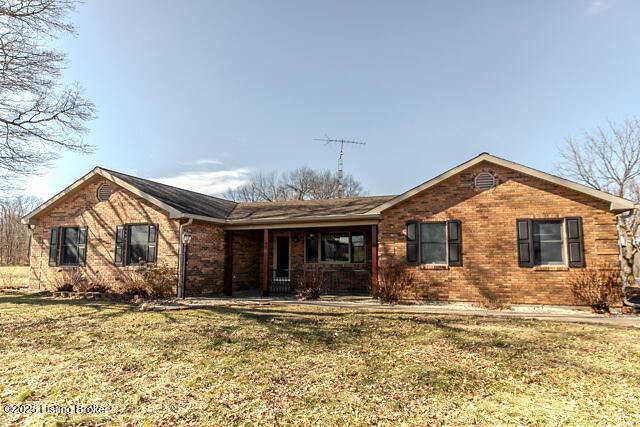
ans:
(185, 239)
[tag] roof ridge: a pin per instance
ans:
(317, 200)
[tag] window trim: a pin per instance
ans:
(418, 242)
(320, 234)
(446, 244)
(563, 237)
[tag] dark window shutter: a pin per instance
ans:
(412, 243)
(119, 251)
(575, 242)
(82, 245)
(53, 246)
(153, 239)
(525, 243)
(454, 229)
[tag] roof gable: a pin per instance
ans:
(616, 203)
(178, 203)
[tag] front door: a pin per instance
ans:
(282, 257)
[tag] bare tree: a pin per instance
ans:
(39, 117)
(608, 159)
(302, 183)
(14, 236)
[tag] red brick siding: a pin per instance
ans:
(81, 208)
(205, 264)
(490, 266)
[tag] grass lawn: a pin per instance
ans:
(306, 365)
(14, 277)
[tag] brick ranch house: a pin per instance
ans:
(486, 229)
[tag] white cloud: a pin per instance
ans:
(38, 186)
(208, 182)
(201, 162)
(598, 6)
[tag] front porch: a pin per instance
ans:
(339, 260)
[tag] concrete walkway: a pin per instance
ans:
(542, 313)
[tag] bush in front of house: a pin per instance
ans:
(599, 288)
(393, 279)
(149, 280)
(69, 281)
(310, 283)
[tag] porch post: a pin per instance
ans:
(265, 263)
(228, 265)
(374, 259)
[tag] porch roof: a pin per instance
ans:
(299, 209)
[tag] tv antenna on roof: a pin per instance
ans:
(327, 141)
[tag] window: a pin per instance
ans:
(68, 246)
(311, 245)
(135, 244)
(357, 248)
(434, 243)
(547, 243)
(335, 247)
(544, 242)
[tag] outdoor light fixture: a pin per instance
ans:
(186, 238)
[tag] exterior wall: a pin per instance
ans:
(205, 259)
(490, 268)
(81, 208)
(247, 260)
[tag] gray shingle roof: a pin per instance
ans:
(191, 202)
(185, 201)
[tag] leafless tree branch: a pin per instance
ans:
(302, 183)
(39, 117)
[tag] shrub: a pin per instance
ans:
(393, 279)
(148, 280)
(69, 280)
(599, 288)
(310, 284)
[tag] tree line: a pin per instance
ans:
(14, 236)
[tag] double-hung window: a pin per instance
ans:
(435, 243)
(548, 248)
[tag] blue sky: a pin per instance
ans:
(202, 93)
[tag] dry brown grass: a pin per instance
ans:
(300, 365)
(14, 277)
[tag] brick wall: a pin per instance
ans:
(81, 208)
(490, 268)
(206, 256)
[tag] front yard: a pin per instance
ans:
(306, 365)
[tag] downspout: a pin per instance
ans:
(623, 263)
(182, 269)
